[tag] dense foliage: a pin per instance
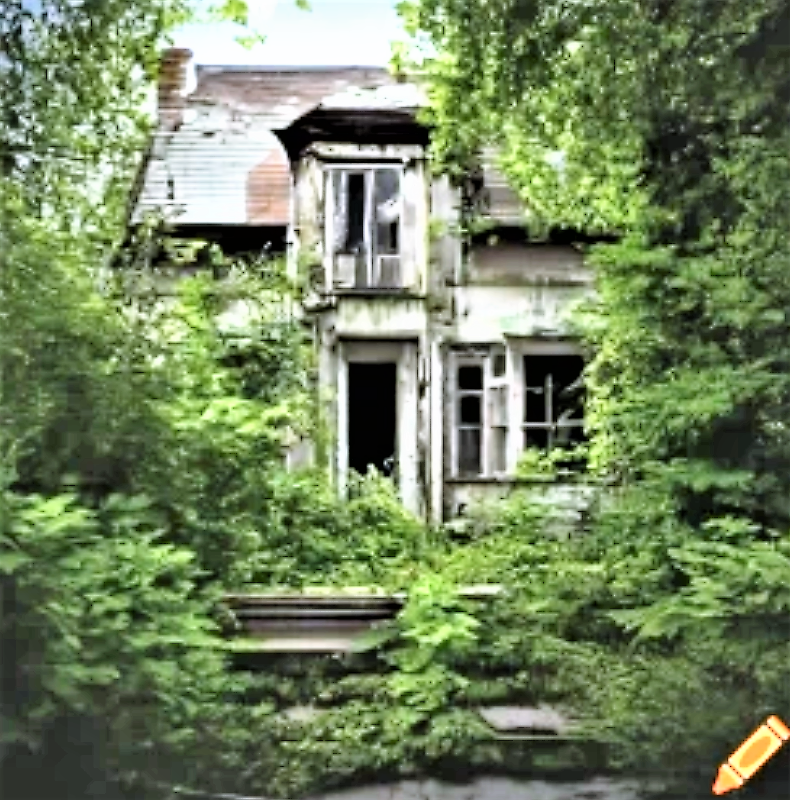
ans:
(142, 440)
(119, 418)
(666, 124)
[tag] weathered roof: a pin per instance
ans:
(279, 95)
(216, 170)
(504, 204)
(224, 166)
(394, 96)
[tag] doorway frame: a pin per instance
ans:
(403, 353)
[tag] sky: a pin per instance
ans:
(334, 32)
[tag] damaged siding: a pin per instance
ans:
(402, 287)
(202, 173)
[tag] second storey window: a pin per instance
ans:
(364, 226)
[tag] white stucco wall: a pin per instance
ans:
(487, 313)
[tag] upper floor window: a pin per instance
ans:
(364, 226)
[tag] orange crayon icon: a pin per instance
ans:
(751, 755)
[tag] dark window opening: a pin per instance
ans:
(554, 401)
(469, 419)
(470, 412)
(372, 416)
(355, 214)
(470, 378)
(366, 227)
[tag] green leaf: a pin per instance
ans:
(12, 561)
(374, 638)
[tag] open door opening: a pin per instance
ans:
(372, 416)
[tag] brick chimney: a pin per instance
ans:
(172, 85)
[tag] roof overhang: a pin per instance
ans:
(365, 125)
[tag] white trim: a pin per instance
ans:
(436, 417)
(515, 350)
(407, 452)
(362, 166)
(369, 184)
(341, 418)
(329, 230)
(404, 355)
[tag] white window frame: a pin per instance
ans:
(513, 381)
(373, 266)
(485, 358)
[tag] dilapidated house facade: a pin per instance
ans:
(441, 355)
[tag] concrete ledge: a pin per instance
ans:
(498, 788)
(318, 620)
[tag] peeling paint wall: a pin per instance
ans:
(488, 313)
(516, 264)
(380, 317)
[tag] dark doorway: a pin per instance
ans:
(372, 416)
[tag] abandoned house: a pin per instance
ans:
(441, 356)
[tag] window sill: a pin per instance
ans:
(517, 480)
(372, 291)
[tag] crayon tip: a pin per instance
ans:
(726, 780)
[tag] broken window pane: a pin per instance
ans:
(340, 221)
(366, 225)
(470, 378)
(469, 413)
(554, 401)
(537, 405)
(498, 399)
(355, 213)
(537, 437)
(469, 451)
(498, 454)
(387, 202)
(349, 213)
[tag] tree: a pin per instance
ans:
(665, 123)
(107, 621)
